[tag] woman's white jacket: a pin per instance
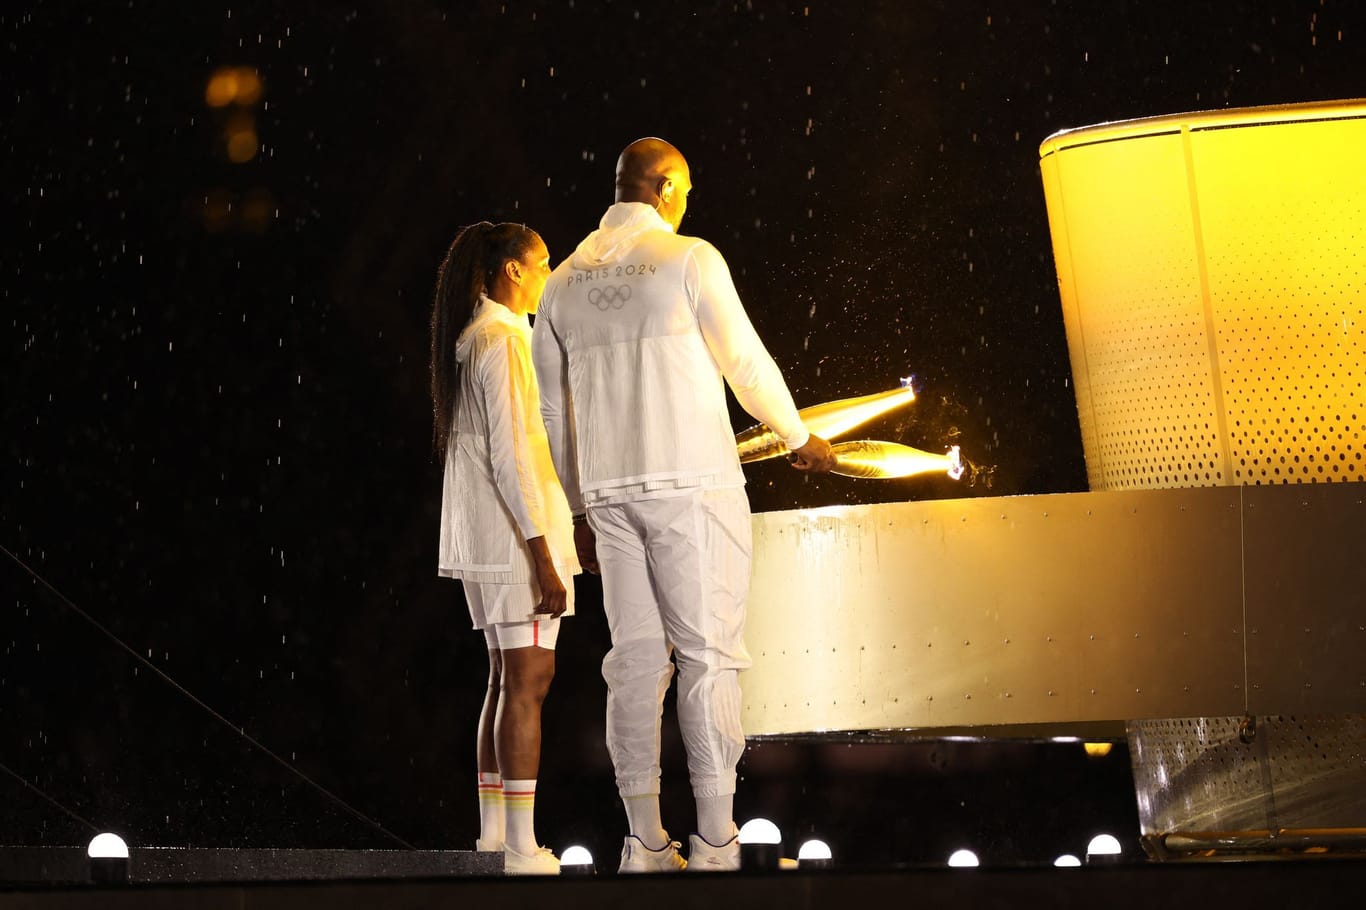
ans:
(500, 488)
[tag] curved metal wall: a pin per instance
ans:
(1212, 269)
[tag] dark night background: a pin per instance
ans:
(215, 416)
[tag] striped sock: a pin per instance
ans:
(492, 827)
(519, 796)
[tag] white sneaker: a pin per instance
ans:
(488, 846)
(636, 857)
(542, 862)
(704, 856)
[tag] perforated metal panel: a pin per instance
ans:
(1212, 269)
(1200, 781)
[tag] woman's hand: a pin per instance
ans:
(554, 599)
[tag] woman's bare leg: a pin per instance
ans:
(486, 756)
(526, 680)
(527, 673)
(492, 815)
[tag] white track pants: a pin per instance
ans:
(675, 575)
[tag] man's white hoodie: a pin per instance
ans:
(636, 333)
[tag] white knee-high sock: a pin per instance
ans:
(716, 818)
(519, 797)
(491, 825)
(642, 814)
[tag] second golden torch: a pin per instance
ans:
(867, 458)
(833, 418)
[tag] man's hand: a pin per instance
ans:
(814, 457)
(586, 545)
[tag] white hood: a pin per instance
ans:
(489, 310)
(617, 232)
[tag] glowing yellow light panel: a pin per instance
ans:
(1212, 270)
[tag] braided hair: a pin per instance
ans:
(468, 270)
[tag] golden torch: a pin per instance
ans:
(872, 458)
(833, 418)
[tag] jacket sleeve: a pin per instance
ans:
(552, 373)
(735, 346)
(505, 380)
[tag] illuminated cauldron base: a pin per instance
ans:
(1209, 267)
(1210, 270)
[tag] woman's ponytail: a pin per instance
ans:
(467, 271)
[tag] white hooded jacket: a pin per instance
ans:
(500, 487)
(636, 332)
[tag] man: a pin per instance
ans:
(637, 330)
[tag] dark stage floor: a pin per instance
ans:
(1263, 883)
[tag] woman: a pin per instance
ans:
(506, 531)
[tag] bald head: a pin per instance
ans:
(654, 172)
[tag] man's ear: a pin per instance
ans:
(513, 270)
(666, 190)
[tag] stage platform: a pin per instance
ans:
(1263, 883)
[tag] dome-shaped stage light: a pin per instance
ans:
(1103, 848)
(814, 854)
(108, 859)
(761, 845)
(963, 859)
(1066, 861)
(577, 860)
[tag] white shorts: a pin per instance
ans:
(484, 600)
(508, 603)
(507, 636)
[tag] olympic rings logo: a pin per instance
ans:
(610, 297)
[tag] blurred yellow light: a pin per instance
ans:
(258, 208)
(248, 85)
(233, 85)
(222, 88)
(242, 146)
(1098, 750)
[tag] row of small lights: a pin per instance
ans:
(109, 853)
(815, 854)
